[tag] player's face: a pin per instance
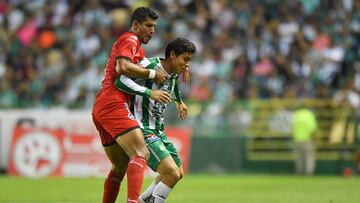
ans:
(181, 62)
(146, 29)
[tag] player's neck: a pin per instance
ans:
(133, 31)
(166, 65)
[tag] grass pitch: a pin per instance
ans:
(193, 189)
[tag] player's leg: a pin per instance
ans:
(161, 187)
(133, 144)
(165, 160)
(158, 152)
(169, 172)
(181, 170)
(119, 160)
(147, 194)
(170, 175)
(149, 190)
(116, 119)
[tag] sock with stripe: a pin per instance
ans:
(135, 176)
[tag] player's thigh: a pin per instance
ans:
(115, 118)
(106, 138)
(160, 159)
(118, 158)
(170, 147)
(133, 143)
(118, 121)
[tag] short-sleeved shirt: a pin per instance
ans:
(126, 46)
(111, 114)
(304, 125)
(148, 112)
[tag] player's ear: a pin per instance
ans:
(135, 25)
(172, 54)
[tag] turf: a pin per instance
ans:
(194, 189)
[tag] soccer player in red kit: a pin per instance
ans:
(120, 134)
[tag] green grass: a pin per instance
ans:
(193, 189)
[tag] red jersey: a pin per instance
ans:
(128, 46)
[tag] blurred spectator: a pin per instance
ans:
(251, 49)
(46, 39)
(304, 128)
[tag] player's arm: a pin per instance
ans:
(126, 84)
(125, 67)
(182, 109)
(125, 52)
(180, 105)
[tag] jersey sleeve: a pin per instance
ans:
(129, 86)
(126, 49)
(150, 63)
(145, 63)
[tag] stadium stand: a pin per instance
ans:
(262, 49)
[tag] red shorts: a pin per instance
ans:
(112, 119)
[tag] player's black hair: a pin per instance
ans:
(180, 46)
(140, 14)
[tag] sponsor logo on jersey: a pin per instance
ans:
(152, 138)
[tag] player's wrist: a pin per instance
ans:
(152, 74)
(147, 93)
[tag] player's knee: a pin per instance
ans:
(174, 175)
(181, 174)
(145, 153)
(118, 169)
(142, 152)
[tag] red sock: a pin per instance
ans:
(135, 175)
(112, 187)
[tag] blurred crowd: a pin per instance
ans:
(53, 53)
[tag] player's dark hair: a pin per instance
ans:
(140, 14)
(180, 46)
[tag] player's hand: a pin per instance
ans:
(160, 76)
(160, 96)
(182, 110)
(186, 75)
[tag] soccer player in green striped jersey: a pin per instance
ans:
(164, 158)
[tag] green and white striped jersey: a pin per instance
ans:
(148, 112)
